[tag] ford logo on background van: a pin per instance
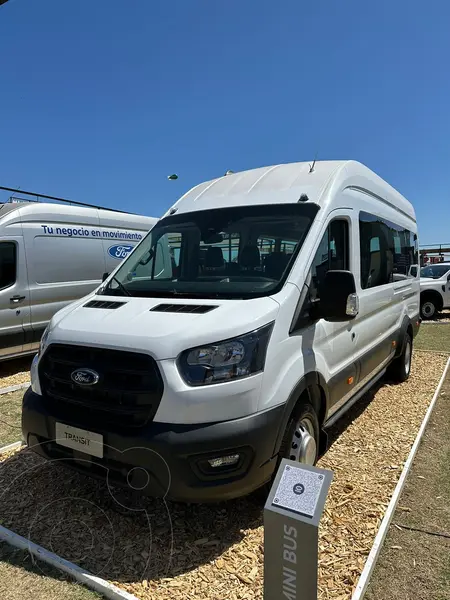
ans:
(120, 251)
(85, 377)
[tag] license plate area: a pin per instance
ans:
(81, 440)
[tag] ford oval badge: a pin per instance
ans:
(84, 377)
(120, 251)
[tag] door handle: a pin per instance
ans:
(17, 299)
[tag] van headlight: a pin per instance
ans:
(44, 338)
(230, 359)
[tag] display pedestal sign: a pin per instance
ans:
(291, 531)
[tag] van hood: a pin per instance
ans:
(429, 281)
(136, 326)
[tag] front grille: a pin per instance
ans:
(198, 309)
(127, 394)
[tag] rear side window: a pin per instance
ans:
(8, 264)
(388, 251)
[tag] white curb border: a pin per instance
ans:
(91, 581)
(97, 584)
(10, 447)
(14, 388)
(363, 581)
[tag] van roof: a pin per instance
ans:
(37, 210)
(285, 183)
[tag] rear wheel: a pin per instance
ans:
(400, 368)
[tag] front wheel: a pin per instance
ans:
(301, 440)
(400, 368)
(428, 309)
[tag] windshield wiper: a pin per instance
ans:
(120, 284)
(205, 295)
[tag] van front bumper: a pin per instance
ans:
(162, 459)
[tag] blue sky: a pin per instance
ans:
(102, 99)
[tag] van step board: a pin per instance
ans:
(110, 304)
(184, 308)
(338, 414)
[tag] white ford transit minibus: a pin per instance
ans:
(290, 290)
(50, 255)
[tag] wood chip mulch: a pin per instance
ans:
(15, 371)
(216, 551)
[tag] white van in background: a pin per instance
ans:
(291, 290)
(434, 289)
(50, 255)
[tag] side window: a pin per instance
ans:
(162, 261)
(376, 254)
(267, 246)
(7, 264)
(156, 267)
(405, 255)
(388, 251)
(332, 254)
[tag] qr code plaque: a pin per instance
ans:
(299, 490)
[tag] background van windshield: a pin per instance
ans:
(239, 252)
(434, 271)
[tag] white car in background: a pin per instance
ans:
(434, 289)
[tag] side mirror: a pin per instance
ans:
(448, 277)
(105, 277)
(338, 299)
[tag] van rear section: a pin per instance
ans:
(248, 320)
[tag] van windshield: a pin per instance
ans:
(238, 252)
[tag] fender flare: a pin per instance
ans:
(406, 323)
(431, 292)
(308, 380)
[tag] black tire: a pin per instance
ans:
(304, 412)
(400, 369)
(428, 308)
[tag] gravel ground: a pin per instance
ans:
(442, 317)
(13, 372)
(155, 550)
